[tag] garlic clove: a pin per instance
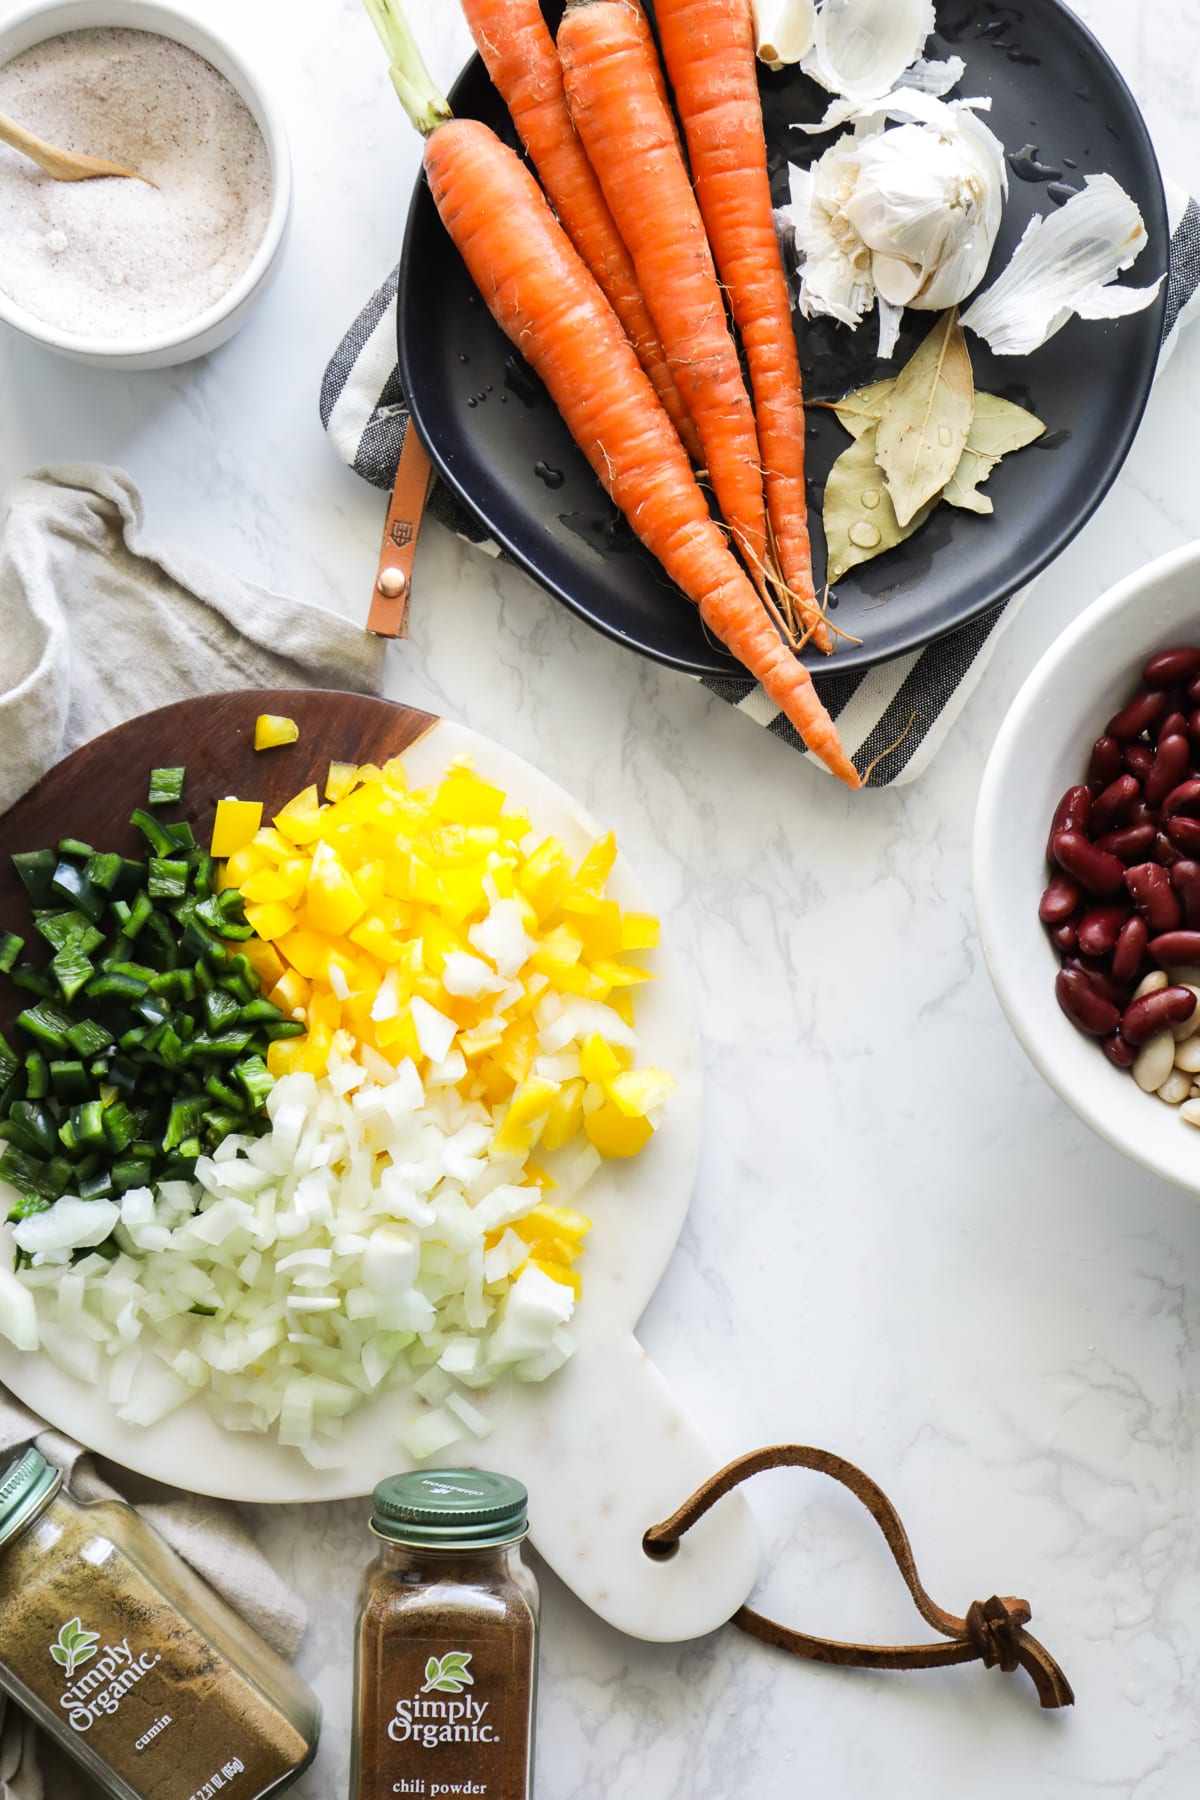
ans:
(783, 30)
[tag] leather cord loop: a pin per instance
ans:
(992, 1632)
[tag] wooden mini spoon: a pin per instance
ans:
(63, 165)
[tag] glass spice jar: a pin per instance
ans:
(130, 1662)
(445, 1663)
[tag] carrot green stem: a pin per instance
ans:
(420, 96)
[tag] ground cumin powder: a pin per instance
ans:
(111, 1643)
(445, 1677)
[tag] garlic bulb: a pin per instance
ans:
(907, 215)
(783, 30)
(1064, 264)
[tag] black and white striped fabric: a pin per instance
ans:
(364, 411)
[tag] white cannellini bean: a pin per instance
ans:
(1176, 1088)
(1151, 983)
(1187, 1055)
(1155, 1060)
(1187, 1026)
(1190, 1110)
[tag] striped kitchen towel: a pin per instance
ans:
(363, 409)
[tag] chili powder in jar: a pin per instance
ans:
(446, 1636)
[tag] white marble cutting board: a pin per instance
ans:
(604, 1447)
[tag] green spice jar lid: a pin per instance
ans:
(456, 1508)
(25, 1486)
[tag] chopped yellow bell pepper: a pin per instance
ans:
(341, 780)
(333, 902)
(272, 729)
(234, 826)
(636, 1094)
(597, 1059)
(615, 1135)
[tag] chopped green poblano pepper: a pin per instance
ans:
(147, 1044)
(166, 786)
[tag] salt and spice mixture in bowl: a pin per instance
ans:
(1045, 747)
(117, 272)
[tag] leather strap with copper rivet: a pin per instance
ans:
(388, 616)
(992, 1632)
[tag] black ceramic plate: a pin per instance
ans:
(498, 441)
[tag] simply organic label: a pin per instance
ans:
(428, 1719)
(100, 1689)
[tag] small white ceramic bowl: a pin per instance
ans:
(43, 19)
(1042, 749)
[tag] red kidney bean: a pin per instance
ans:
(1193, 690)
(1106, 763)
(1110, 806)
(1184, 798)
(1071, 813)
(1186, 834)
(1170, 766)
(1095, 870)
(1150, 886)
(1165, 851)
(1064, 936)
(1097, 930)
(1118, 1052)
(1132, 843)
(1172, 724)
(1193, 727)
(1167, 667)
(1093, 967)
(1138, 716)
(1139, 760)
(1185, 879)
(1129, 950)
(1059, 901)
(1087, 1010)
(1174, 947)
(1155, 1012)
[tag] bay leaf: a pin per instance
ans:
(864, 407)
(860, 520)
(926, 419)
(997, 428)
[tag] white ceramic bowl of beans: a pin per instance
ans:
(41, 20)
(1042, 749)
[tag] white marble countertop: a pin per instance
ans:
(901, 1246)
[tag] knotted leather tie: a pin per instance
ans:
(993, 1631)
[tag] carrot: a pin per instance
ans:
(630, 139)
(513, 39)
(709, 50)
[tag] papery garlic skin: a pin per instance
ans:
(1064, 265)
(861, 48)
(783, 30)
(907, 215)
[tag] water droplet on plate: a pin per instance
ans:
(864, 534)
(553, 478)
(463, 357)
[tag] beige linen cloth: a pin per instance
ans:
(97, 624)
